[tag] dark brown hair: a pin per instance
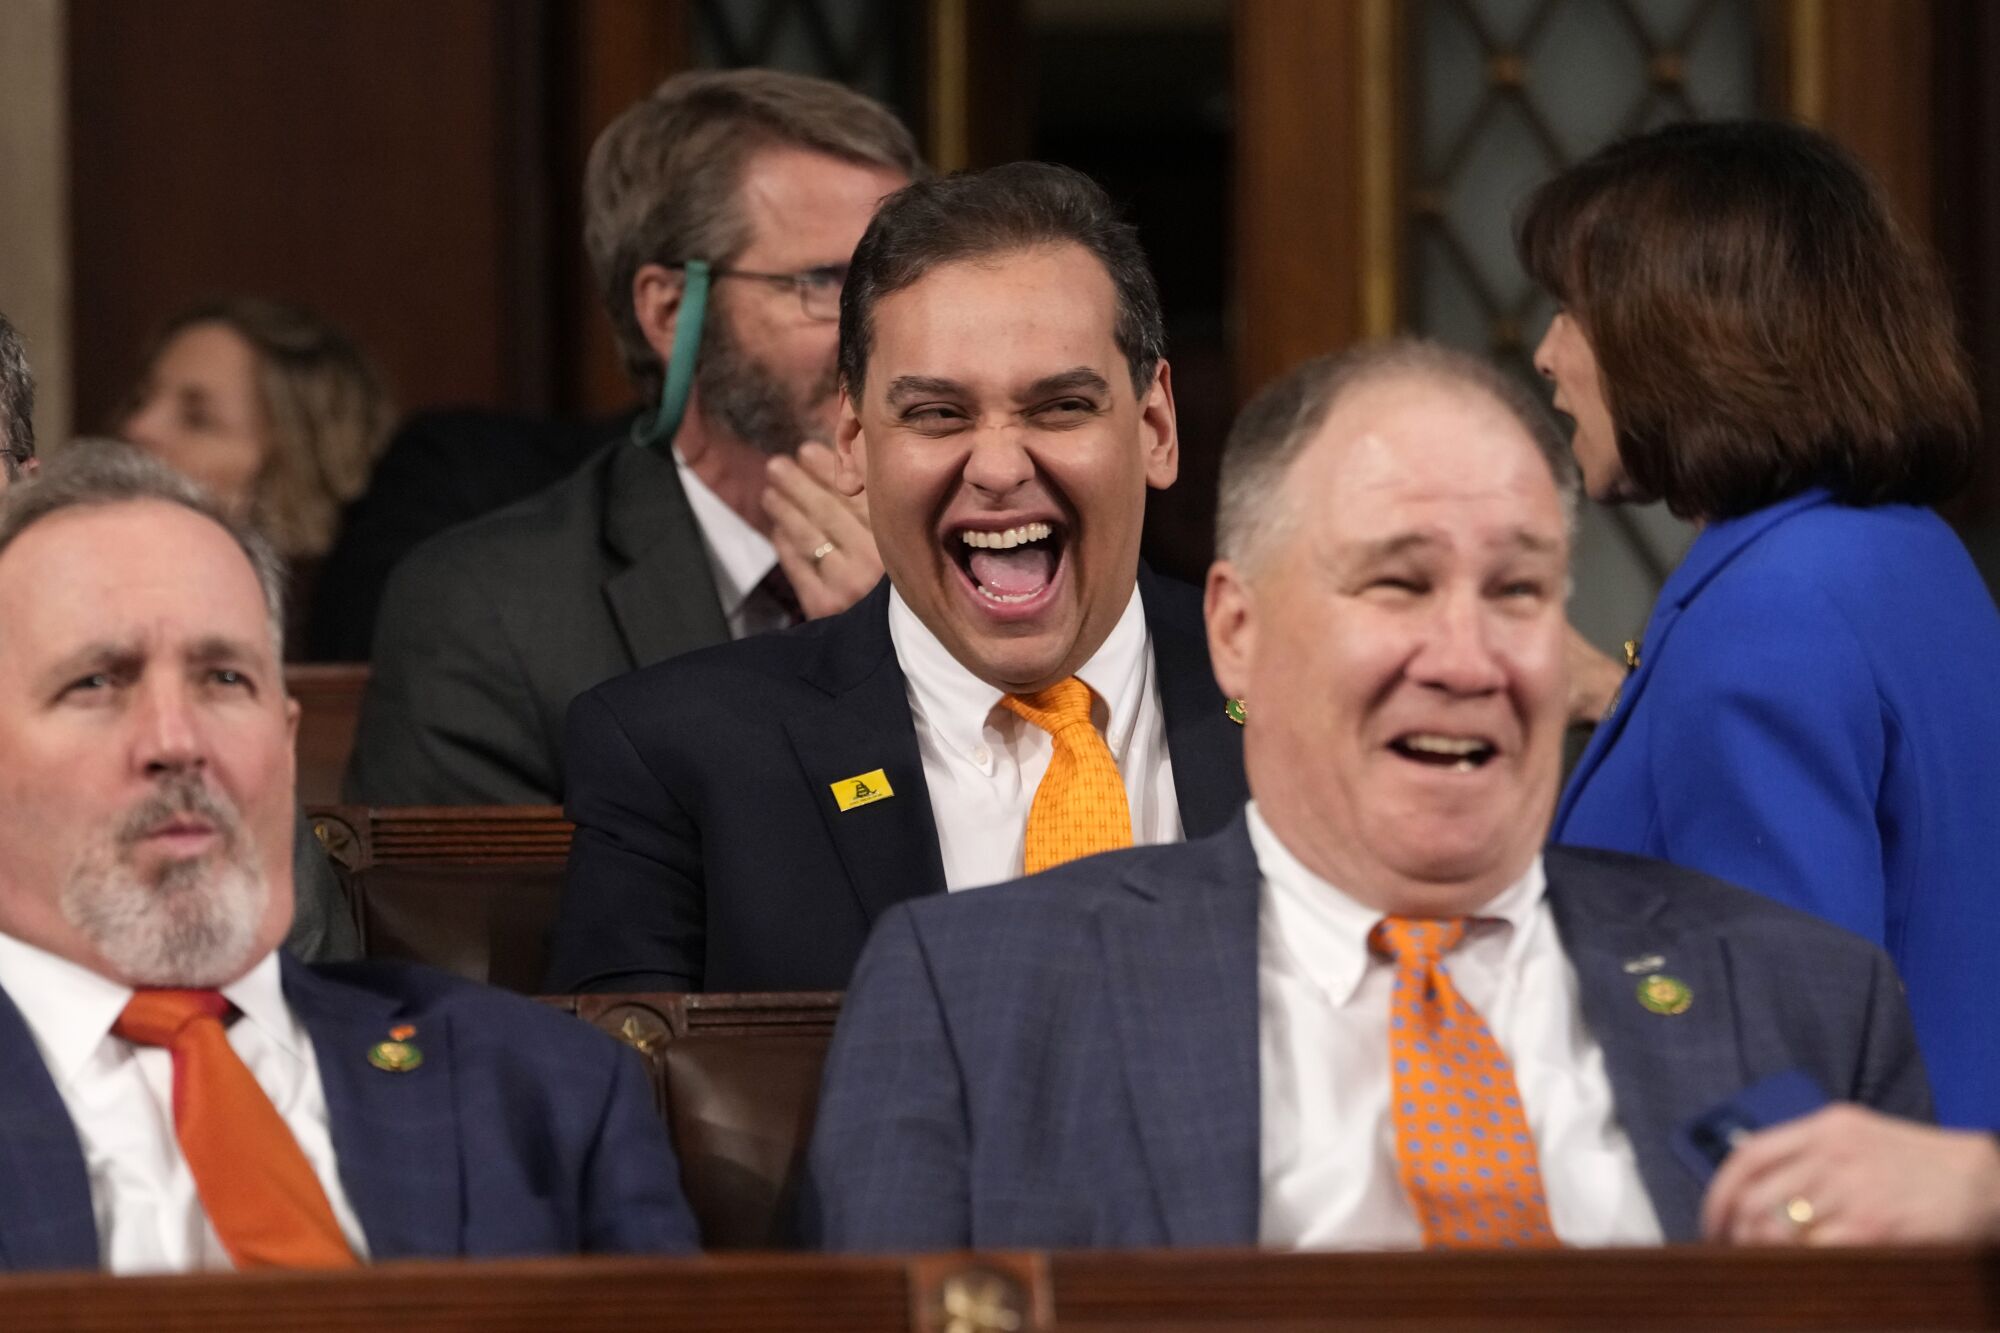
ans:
(1761, 322)
(661, 183)
(17, 402)
(971, 214)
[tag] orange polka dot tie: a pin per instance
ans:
(1080, 808)
(259, 1191)
(1463, 1149)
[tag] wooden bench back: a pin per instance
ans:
(470, 889)
(329, 695)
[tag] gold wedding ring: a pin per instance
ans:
(822, 551)
(1799, 1211)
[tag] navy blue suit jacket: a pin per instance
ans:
(1814, 717)
(710, 853)
(1072, 1059)
(523, 1132)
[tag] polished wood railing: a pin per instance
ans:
(1674, 1291)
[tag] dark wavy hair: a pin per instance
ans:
(974, 213)
(1761, 322)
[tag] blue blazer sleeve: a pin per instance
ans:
(1766, 749)
(890, 1152)
(632, 1202)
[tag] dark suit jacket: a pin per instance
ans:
(1072, 1060)
(441, 469)
(488, 631)
(523, 1131)
(709, 852)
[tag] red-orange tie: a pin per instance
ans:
(256, 1186)
(1080, 807)
(1462, 1143)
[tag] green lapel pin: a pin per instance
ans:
(1663, 994)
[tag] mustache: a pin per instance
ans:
(178, 795)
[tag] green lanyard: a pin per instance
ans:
(680, 365)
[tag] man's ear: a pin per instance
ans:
(852, 475)
(1159, 432)
(1230, 612)
(656, 304)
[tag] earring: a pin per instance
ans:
(1235, 710)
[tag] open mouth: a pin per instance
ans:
(1460, 754)
(1009, 566)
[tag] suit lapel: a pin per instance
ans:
(664, 599)
(1206, 748)
(889, 848)
(395, 1135)
(1665, 1069)
(1712, 551)
(46, 1219)
(1180, 949)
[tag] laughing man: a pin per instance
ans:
(1018, 692)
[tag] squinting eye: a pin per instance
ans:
(825, 279)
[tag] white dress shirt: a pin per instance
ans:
(739, 559)
(983, 763)
(121, 1099)
(1329, 1157)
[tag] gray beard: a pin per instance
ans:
(196, 922)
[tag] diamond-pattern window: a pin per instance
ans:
(1504, 93)
(857, 42)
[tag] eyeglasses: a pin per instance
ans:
(818, 288)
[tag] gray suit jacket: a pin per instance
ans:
(1072, 1060)
(489, 630)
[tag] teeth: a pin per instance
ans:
(1012, 537)
(1457, 745)
(1004, 598)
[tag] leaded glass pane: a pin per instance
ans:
(857, 42)
(1504, 93)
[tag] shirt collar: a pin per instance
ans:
(958, 706)
(259, 996)
(70, 1009)
(739, 555)
(1325, 932)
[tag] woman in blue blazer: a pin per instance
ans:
(1746, 334)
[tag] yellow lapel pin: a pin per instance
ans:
(862, 789)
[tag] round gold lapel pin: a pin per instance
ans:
(398, 1057)
(1665, 995)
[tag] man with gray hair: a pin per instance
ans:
(720, 214)
(322, 927)
(17, 409)
(180, 1093)
(1374, 1011)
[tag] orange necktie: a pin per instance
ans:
(255, 1184)
(1463, 1148)
(1080, 807)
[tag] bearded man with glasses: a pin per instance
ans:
(719, 216)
